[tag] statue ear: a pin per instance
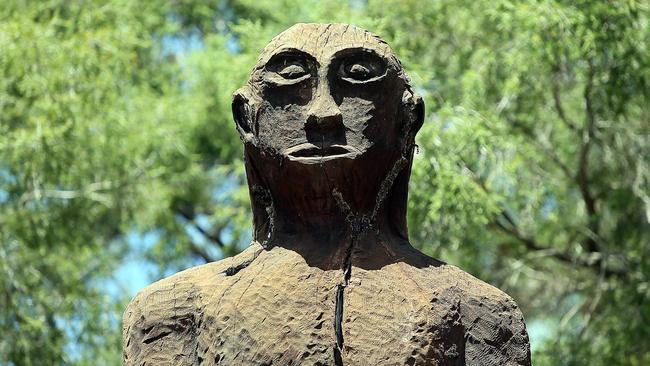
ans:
(414, 104)
(242, 113)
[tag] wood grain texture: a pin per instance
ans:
(278, 310)
(328, 120)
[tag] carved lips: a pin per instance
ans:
(310, 153)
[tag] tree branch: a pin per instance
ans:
(550, 153)
(559, 108)
(214, 237)
(582, 174)
(201, 252)
(513, 230)
(531, 244)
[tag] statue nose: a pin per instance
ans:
(324, 114)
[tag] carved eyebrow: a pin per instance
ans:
(359, 52)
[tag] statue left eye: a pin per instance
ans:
(362, 69)
(359, 72)
(292, 71)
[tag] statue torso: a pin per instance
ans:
(269, 307)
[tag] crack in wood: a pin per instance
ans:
(231, 271)
(155, 338)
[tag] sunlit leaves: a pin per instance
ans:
(532, 170)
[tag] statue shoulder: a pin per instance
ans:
(494, 325)
(169, 311)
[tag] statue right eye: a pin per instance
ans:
(362, 68)
(292, 71)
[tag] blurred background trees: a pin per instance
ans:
(118, 157)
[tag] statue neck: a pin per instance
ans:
(326, 230)
(323, 218)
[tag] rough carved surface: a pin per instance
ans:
(328, 121)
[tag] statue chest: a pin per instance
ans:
(286, 314)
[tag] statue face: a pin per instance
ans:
(328, 121)
(323, 93)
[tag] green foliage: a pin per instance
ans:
(533, 170)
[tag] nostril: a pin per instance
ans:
(325, 128)
(312, 121)
(327, 121)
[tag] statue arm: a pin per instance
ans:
(496, 334)
(159, 327)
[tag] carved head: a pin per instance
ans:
(328, 107)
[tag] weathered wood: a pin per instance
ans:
(328, 120)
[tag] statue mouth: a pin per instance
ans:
(309, 152)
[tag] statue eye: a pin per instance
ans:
(359, 72)
(288, 68)
(292, 71)
(362, 69)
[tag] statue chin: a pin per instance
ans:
(328, 119)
